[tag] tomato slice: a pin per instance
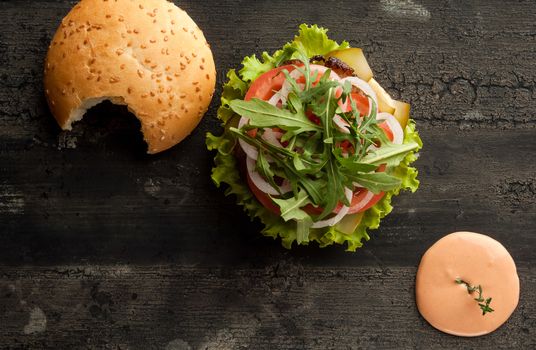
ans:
(263, 198)
(266, 84)
(387, 130)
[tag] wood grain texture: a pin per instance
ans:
(121, 250)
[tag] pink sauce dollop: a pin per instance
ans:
(478, 260)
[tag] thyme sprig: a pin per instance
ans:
(483, 303)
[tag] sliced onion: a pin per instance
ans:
(334, 220)
(262, 184)
(272, 137)
(274, 100)
(341, 123)
(248, 149)
(394, 125)
(365, 87)
(361, 204)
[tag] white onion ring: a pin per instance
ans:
(342, 213)
(272, 137)
(365, 87)
(341, 123)
(361, 204)
(394, 125)
(274, 100)
(246, 147)
(261, 184)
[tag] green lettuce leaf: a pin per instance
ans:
(314, 41)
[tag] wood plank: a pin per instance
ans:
(285, 305)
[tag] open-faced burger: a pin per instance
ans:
(312, 145)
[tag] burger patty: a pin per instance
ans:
(333, 63)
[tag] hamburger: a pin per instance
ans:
(149, 56)
(312, 145)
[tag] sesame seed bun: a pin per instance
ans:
(149, 55)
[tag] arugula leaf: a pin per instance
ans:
(290, 208)
(375, 182)
(303, 229)
(263, 167)
(352, 163)
(390, 154)
(261, 114)
(280, 156)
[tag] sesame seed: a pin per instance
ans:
(147, 60)
(141, 7)
(169, 78)
(159, 101)
(184, 29)
(63, 92)
(162, 138)
(152, 94)
(143, 95)
(122, 66)
(195, 83)
(140, 73)
(98, 78)
(114, 80)
(207, 76)
(202, 67)
(166, 38)
(194, 54)
(136, 31)
(197, 89)
(119, 52)
(152, 41)
(129, 90)
(108, 16)
(143, 46)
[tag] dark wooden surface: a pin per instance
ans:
(104, 247)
